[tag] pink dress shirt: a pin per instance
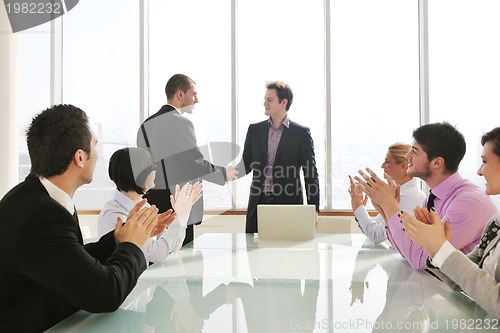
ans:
(466, 206)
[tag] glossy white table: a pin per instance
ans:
(236, 283)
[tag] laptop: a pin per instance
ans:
(286, 222)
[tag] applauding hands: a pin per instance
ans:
(185, 198)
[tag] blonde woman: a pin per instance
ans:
(395, 165)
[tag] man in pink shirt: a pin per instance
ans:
(437, 151)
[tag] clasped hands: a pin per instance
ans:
(142, 224)
(425, 229)
(185, 198)
(384, 195)
(231, 173)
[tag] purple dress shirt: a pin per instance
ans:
(273, 140)
(466, 206)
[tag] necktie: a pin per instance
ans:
(489, 234)
(75, 215)
(430, 200)
(79, 231)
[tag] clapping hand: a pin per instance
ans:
(426, 229)
(384, 194)
(164, 220)
(185, 198)
(358, 197)
(140, 224)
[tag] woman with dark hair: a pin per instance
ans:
(133, 171)
(477, 273)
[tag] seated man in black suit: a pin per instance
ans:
(47, 273)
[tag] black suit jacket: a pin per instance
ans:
(171, 140)
(295, 152)
(47, 273)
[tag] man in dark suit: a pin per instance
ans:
(276, 150)
(170, 138)
(47, 273)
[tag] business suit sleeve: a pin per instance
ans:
(308, 162)
(475, 282)
(187, 162)
(103, 248)
(51, 255)
(245, 165)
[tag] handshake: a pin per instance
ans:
(231, 173)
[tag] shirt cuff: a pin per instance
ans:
(362, 214)
(181, 221)
(442, 254)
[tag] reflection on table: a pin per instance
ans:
(236, 283)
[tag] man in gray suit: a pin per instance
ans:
(171, 140)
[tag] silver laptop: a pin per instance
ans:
(286, 222)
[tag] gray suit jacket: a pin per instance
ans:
(463, 272)
(171, 140)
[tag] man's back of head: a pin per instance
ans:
(54, 136)
(177, 82)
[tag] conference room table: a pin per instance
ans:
(224, 282)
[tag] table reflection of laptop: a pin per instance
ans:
(286, 222)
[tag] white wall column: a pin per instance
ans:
(9, 106)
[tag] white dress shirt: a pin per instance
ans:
(58, 195)
(157, 248)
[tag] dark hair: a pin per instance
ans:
(494, 136)
(176, 83)
(442, 140)
(283, 91)
(54, 136)
(129, 168)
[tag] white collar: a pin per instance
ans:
(176, 109)
(409, 184)
(58, 195)
(123, 200)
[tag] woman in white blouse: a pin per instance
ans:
(411, 196)
(133, 172)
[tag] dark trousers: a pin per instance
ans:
(264, 199)
(189, 234)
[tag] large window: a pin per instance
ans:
(285, 43)
(374, 90)
(464, 72)
(184, 38)
(353, 65)
(33, 82)
(101, 76)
